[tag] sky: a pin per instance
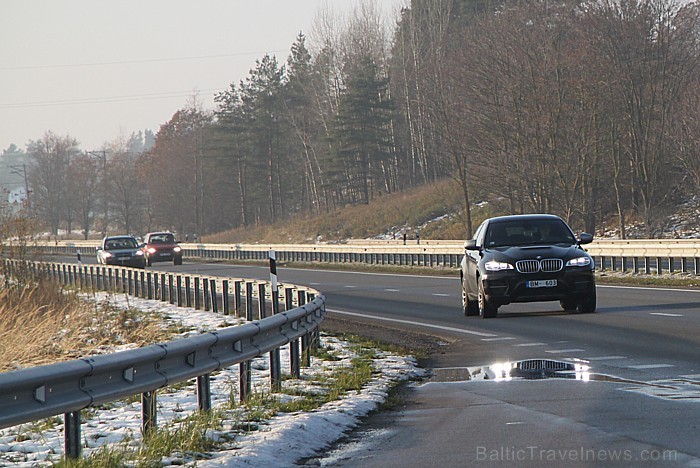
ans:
(280, 441)
(98, 70)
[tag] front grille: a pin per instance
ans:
(548, 265)
(544, 364)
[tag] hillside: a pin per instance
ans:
(435, 211)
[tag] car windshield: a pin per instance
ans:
(162, 239)
(121, 243)
(528, 232)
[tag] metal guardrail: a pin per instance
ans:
(639, 255)
(67, 388)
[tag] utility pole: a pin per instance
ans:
(21, 170)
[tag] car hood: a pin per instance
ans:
(528, 252)
(122, 251)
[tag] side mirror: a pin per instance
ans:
(471, 245)
(585, 238)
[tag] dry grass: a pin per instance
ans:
(41, 324)
(389, 213)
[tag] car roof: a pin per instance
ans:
(158, 233)
(523, 217)
(119, 237)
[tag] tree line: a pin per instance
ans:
(583, 109)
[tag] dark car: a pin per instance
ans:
(526, 258)
(161, 247)
(121, 250)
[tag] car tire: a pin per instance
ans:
(148, 262)
(588, 305)
(568, 305)
(177, 261)
(471, 308)
(486, 308)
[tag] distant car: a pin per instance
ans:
(161, 247)
(122, 251)
(526, 258)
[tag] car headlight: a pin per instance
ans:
(151, 250)
(497, 266)
(177, 249)
(579, 262)
(138, 252)
(107, 254)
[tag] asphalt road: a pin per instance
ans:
(636, 404)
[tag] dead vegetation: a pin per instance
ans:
(41, 323)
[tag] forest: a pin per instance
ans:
(588, 110)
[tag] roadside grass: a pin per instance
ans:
(42, 323)
(191, 438)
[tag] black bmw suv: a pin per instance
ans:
(526, 258)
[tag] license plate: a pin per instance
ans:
(542, 283)
(164, 254)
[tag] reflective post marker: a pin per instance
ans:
(275, 364)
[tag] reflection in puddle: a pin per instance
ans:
(576, 369)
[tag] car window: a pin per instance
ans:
(114, 244)
(528, 232)
(162, 239)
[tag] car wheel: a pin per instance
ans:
(471, 308)
(568, 305)
(588, 305)
(148, 262)
(486, 308)
(177, 261)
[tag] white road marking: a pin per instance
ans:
(502, 338)
(561, 351)
(651, 366)
(665, 314)
(392, 290)
(523, 345)
(648, 289)
(604, 358)
(350, 286)
(410, 322)
(442, 295)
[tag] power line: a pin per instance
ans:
(103, 100)
(129, 62)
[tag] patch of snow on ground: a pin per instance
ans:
(280, 441)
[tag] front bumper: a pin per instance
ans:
(505, 287)
(134, 262)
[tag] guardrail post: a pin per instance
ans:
(178, 287)
(295, 367)
(305, 351)
(647, 265)
(149, 285)
(197, 301)
(205, 293)
(71, 435)
(249, 301)
(658, 265)
(214, 298)
(148, 412)
(275, 364)
(262, 313)
(245, 381)
(162, 288)
(697, 265)
(188, 293)
(237, 303)
(224, 297)
(171, 296)
(204, 392)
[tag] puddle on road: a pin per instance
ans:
(538, 369)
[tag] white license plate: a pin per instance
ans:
(542, 283)
(164, 254)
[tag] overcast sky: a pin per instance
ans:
(98, 69)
